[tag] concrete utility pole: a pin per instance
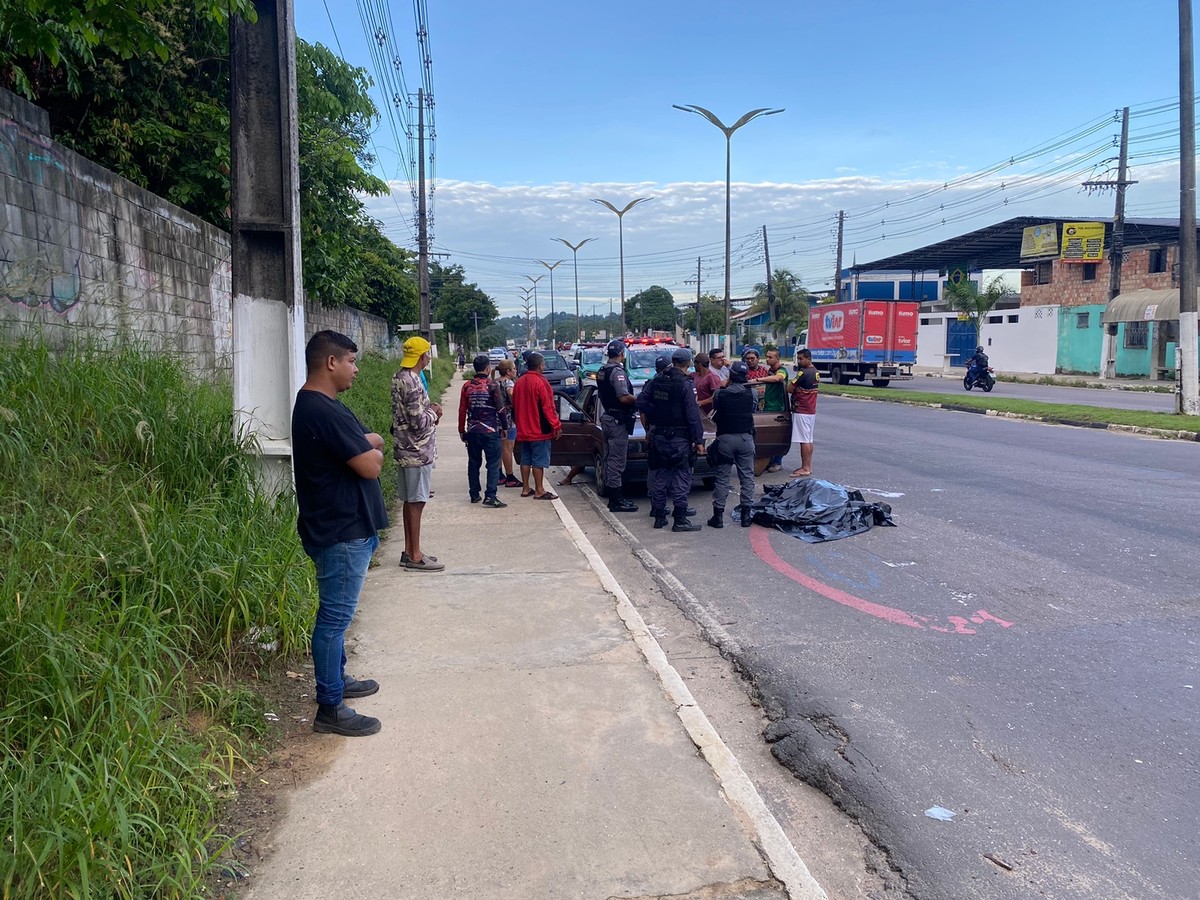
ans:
(770, 286)
(837, 274)
(268, 293)
(1188, 396)
(1116, 254)
(422, 221)
(475, 316)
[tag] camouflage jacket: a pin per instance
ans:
(414, 422)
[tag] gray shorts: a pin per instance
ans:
(413, 483)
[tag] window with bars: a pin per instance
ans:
(1136, 334)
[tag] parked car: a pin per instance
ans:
(582, 439)
(588, 361)
(562, 378)
(640, 357)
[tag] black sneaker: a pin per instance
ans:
(353, 688)
(474, 499)
(342, 720)
(494, 503)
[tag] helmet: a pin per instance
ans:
(615, 348)
(979, 349)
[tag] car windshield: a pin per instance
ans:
(555, 362)
(593, 356)
(644, 357)
(497, 351)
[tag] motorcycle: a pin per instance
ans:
(984, 379)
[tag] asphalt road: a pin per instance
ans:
(1022, 649)
(1150, 401)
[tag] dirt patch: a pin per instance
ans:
(294, 755)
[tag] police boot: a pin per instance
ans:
(718, 517)
(690, 512)
(618, 502)
(660, 517)
(681, 520)
(746, 523)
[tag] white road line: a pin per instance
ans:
(772, 842)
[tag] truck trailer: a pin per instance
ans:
(863, 340)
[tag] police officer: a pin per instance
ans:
(733, 412)
(676, 433)
(616, 421)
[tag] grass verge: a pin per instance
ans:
(1066, 413)
(143, 571)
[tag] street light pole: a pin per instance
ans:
(574, 248)
(621, 236)
(553, 324)
(536, 315)
(529, 331)
(728, 131)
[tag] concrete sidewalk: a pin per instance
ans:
(536, 743)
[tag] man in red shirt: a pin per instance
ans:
(706, 381)
(537, 425)
(804, 410)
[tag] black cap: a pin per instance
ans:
(681, 354)
(616, 347)
(739, 371)
(481, 362)
(662, 363)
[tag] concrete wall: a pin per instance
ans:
(1023, 340)
(88, 255)
(1068, 288)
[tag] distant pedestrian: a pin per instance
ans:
(804, 409)
(733, 413)
(482, 420)
(707, 383)
(676, 434)
(506, 374)
(337, 464)
(616, 424)
(537, 425)
(462, 358)
(774, 385)
(414, 440)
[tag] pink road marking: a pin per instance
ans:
(760, 543)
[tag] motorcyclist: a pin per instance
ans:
(977, 364)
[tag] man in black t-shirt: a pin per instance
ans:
(337, 464)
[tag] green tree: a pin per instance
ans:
(966, 297)
(712, 315)
(386, 286)
(787, 302)
(455, 302)
(657, 310)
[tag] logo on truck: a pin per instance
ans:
(833, 321)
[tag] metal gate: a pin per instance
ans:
(960, 341)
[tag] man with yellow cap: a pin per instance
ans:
(414, 434)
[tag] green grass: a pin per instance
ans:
(1054, 412)
(141, 569)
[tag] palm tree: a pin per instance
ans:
(787, 301)
(967, 299)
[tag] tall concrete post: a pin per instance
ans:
(268, 305)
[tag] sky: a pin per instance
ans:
(922, 120)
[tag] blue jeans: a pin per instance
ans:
(479, 446)
(341, 571)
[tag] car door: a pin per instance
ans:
(772, 437)
(581, 438)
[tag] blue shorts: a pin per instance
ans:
(535, 454)
(512, 433)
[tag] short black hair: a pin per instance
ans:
(534, 361)
(325, 344)
(805, 352)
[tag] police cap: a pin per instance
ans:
(739, 371)
(662, 363)
(615, 348)
(681, 354)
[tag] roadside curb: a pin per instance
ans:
(1167, 434)
(743, 797)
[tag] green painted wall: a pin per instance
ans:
(1131, 361)
(1079, 348)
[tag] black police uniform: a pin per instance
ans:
(616, 421)
(733, 413)
(675, 429)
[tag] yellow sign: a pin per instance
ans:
(1039, 240)
(1082, 242)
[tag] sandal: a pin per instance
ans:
(527, 494)
(549, 495)
(800, 473)
(563, 482)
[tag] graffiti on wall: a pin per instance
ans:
(41, 243)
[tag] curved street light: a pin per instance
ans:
(621, 237)
(574, 248)
(536, 323)
(728, 131)
(553, 324)
(529, 332)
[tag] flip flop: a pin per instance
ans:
(549, 495)
(563, 482)
(799, 474)
(528, 494)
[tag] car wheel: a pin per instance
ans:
(598, 465)
(880, 382)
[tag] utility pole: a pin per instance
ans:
(475, 316)
(1188, 396)
(837, 273)
(770, 286)
(422, 224)
(1116, 254)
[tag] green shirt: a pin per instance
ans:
(774, 395)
